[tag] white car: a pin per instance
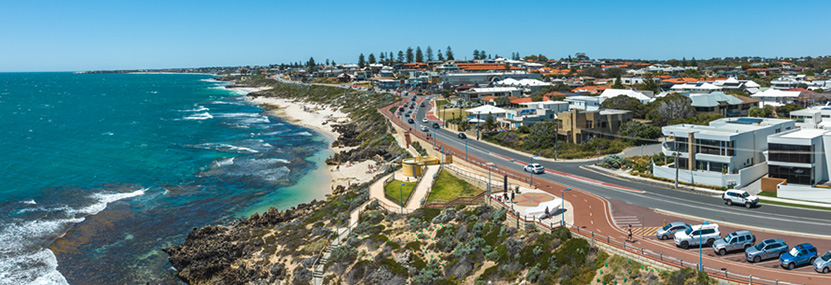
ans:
(706, 234)
(739, 197)
(534, 168)
(424, 129)
(425, 120)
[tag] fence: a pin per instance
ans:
(646, 256)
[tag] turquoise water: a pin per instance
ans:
(103, 170)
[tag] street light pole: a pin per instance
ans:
(700, 266)
(466, 149)
(563, 208)
(401, 198)
(490, 166)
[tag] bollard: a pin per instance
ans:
(642, 251)
(662, 256)
(607, 239)
(751, 279)
(682, 263)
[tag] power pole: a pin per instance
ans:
(556, 135)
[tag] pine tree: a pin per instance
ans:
(361, 61)
(419, 56)
(371, 58)
(618, 83)
(449, 53)
(483, 55)
(334, 64)
(693, 62)
(382, 56)
(311, 62)
(327, 62)
(441, 56)
(410, 56)
(475, 54)
(400, 56)
(429, 53)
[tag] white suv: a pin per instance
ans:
(707, 234)
(739, 197)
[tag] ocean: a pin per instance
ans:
(101, 171)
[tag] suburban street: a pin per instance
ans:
(684, 202)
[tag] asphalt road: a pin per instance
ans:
(710, 208)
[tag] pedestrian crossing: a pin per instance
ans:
(638, 228)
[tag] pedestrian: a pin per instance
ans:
(547, 212)
(630, 233)
(512, 196)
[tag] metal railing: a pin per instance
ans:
(608, 240)
(630, 248)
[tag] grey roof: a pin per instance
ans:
(712, 99)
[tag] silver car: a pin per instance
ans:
(767, 249)
(670, 229)
(823, 263)
(739, 240)
(705, 234)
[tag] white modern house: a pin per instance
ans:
(801, 157)
(476, 93)
(480, 114)
(534, 112)
(727, 152)
(611, 93)
(585, 103)
(527, 85)
(695, 88)
(775, 97)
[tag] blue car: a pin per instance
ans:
(799, 255)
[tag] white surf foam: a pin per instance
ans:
(199, 116)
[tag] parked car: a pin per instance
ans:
(739, 197)
(739, 240)
(411, 121)
(462, 136)
(767, 249)
(424, 120)
(436, 125)
(534, 168)
(823, 264)
(799, 255)
(424, 129)
(670, 229)
(412, 106)
(706, 234)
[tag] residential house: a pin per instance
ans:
(695, 88)
(724, 104)
(581, 126)
(611, 93)
(484, 77)
(585, 103)
(775, 98)
(528, 86)
(480, 114)
(534, 112)
(476, 93)
(727, 152)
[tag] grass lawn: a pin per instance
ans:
(448, 187)
(393, 190)
(450, 113)
(441, 102)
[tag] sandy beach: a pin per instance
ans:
(321, 117)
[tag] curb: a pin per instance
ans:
(641, 180)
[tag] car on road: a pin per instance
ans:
(462, 136)
(823, 263)
(422, 105)
(670, 229)
(424, 129)
(411, 121)
(739, 197)
(799, 255)
(706, 234)
(767, 249)
(424, 120)
(436, 125)
(739, 240)
(534, 168)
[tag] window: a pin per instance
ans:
(791, 153)
(795, 175)
(741, 239)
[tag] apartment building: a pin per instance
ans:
(580, 126)
(727, 152)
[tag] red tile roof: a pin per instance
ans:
(801, 90)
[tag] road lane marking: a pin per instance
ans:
(767, 230)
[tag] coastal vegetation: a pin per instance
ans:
(368, 130)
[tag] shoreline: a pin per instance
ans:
(319, 118)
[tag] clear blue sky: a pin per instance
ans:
(87, 35)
